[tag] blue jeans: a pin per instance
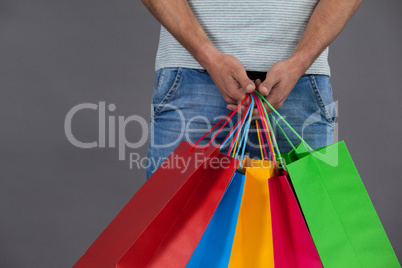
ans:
(186, 104)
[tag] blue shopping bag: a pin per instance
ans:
(215, 245)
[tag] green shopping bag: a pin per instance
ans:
(342, 220)
(339, 213)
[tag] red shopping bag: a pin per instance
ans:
(164, 221)
(293, 245)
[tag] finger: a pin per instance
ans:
(255, 112)
(247, 101)
(231, 100)
(267, 108)
(274, 101)
(234, 104)
(241, 110)
(269, 82)
(233, 107)
(258, 86)
(257, 83)
(244, 82)
(235, 94)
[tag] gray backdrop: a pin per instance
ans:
(55, 198)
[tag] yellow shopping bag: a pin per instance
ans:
(252, 244)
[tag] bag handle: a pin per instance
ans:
(241, 135)
(261, 141)
(286, 123)
(240, 130)
(227, 117)
(238, 133)
(266, 129)
(246, 130)
(263, 114)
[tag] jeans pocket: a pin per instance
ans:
(321, 88)
(167, 83)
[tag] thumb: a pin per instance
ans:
(245, 82)
(266, 86)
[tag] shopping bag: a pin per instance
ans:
(300, 150)
(215, 246)
(164, 221)
(292, 242)
(342, 220)
(252, 244)
(340, 216)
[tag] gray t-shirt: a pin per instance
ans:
(257, 32)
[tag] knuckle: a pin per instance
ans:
(278, 105)
(227, 99)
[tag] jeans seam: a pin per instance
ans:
(156, 93)
(317, 94)
(170, 93)
(159, 83)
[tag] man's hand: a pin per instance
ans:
(326, 22)
(226, 71)
(279, 82)
(230, 77)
